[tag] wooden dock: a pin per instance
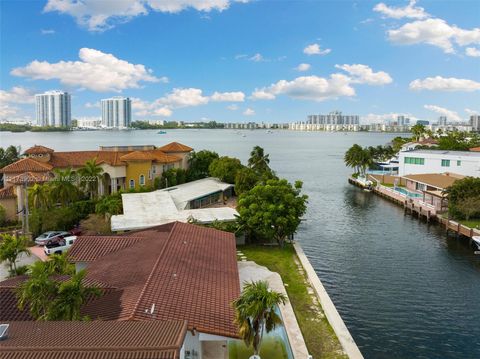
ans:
(416, 207)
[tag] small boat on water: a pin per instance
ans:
(161, 132)
(476, 241)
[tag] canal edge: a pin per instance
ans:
(344, 337)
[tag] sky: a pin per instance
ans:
(241, 60)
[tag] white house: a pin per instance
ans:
(436, 161)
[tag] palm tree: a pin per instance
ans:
(109, 205)
(11, 247)
(255, 313)
(63, 189)
(90, 173)
(71, 296)
(39, 196)
(418, 131)
(259, 161)
(37, 292)
(59, 264)
(352, 157)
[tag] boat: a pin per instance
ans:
(476, 240)
(161, 132)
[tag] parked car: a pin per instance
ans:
(59, 245)
(76, 231)
(42, 239)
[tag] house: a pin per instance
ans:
(465, 163)
(432, 186)
(475, 149)
(178, 273)
(124, 167)
(427, 142)
(192, 201)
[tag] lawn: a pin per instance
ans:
(473, 223)
(319, 336)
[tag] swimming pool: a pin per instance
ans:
(407, 192)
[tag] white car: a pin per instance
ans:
(59, 245)
(42, 239)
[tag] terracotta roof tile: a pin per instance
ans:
(90, 248)
(38, 149)
(94, 340)
(138, 156)
(7, 192)
(26, 165)
(175, 147)
(475, 149)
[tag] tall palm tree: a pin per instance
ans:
(11, 247)
(37, 291)
(90, 174)
(38, 194)
(259, 161)
(255, 313)
(63, 189)
(418, 131)
(352, 157)
(71, 296)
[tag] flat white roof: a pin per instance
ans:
(144, 210)
(443, 153)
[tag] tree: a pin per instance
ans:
(461, 191)
(9, 155)
(469, 207)
(245, 179)
(3, 215)
(39, 196)
(255, 313)
(59, 264)
(70, 297)
(37, 291)
(418, 131)
(62, 189)
(225, 168)
(110, 205)
(89, 176)
(273, 210)
(11, 247)
(259, 161)
(198, 164)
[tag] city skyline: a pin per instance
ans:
(232, 61)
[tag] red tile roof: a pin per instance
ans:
(8, 192)
(38, 149)
(475, 149)
(94, 340)
(175, 147)
(176, 271)
(138, 156)
(26, 165)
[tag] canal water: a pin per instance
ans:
(403, 289)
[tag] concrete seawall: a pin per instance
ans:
(339, 327)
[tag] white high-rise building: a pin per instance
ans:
(53, 108)
(116, 112)
(475, 122)
(442, 121)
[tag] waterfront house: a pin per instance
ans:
(465, 163)
(201, 201)
(177, 272)
(410, 146)
(124, 167)
(432, 187)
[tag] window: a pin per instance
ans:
(459, 163)
(142, 180)
(414, 161)
(132, 183)
(445, 163)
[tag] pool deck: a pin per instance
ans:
(345, 338)
(250, 271)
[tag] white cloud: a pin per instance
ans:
(363, 74)
(257, 58)
(228, 96)
(249, 112)
(96, 71)
(180, 97)
(451, 115)
(240, 56)
(47, 31)
(472, 51)
(319, 89)
(92, 104)
(303, 67)
(232, 107)
(314, 49)
(471, 112)
(98, 15)
(439, 83)
(408, 11)
(436, 32)
(17, 94)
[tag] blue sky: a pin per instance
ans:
(237, 61)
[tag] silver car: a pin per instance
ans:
(42, 239)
